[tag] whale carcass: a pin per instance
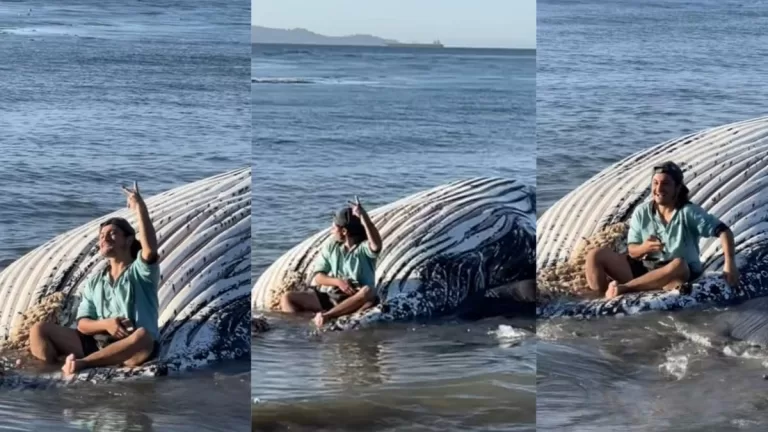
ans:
(204, 237)
(443, 248)
(726, 170)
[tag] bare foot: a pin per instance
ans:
(614, 290)
(319, 320)
(69, 367)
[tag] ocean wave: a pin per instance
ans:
(57, 30)
(319, 81)
(281, 81)
(509, 336)
(675, 366)
(286, 52)
(746, 350)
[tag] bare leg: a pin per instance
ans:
(668, 277)
(295, 302)
(353, 303)
(367, 305)
(604, 263)
(49, 341)
(131, 351)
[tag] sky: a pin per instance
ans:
(457, 23)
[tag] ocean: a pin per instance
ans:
(96, 95)
(614, 78)
(330, 123)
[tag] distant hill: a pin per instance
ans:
(305, 37)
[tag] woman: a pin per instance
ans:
(663, 242)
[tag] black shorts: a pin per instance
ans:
(328, 301)
(639, 269)
(91, 345)
(88, 343)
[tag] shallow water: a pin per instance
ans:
(211, 400)
(99, 95)
(334, 122)
(650, 372)
(437, 376)
(614, 78)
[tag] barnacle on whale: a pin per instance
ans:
(47, 310)
(567, 278)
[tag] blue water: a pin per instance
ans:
(613, 78)
(330, 123)
(99, 94)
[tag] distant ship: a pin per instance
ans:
(435, 44)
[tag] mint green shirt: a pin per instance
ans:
(358, 264)
(680, 237)
(133, 296)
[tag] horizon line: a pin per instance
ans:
(370, 35)
(390, 47)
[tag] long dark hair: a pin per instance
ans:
(135, 247)
(356, 231)
(682, 197)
